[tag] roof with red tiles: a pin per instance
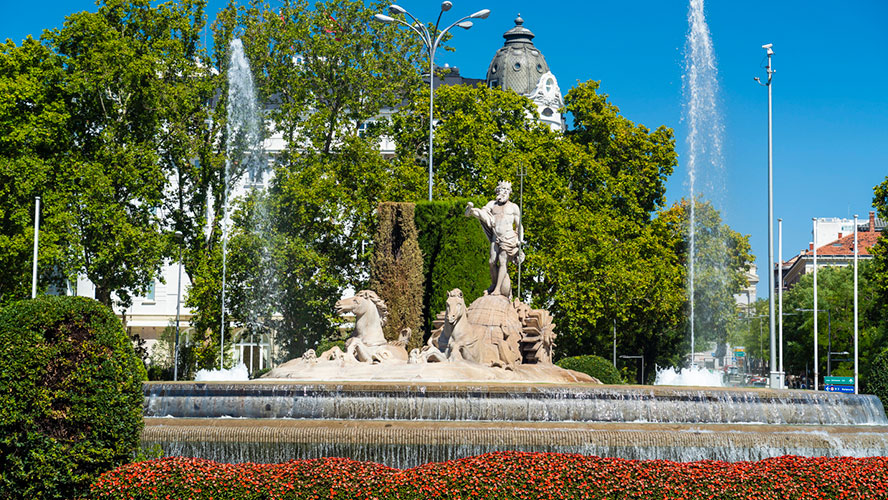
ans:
(845, 245)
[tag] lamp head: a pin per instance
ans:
(446, 5)
(481, 14)
(767, 47)
(396, 9)
(383, 18)
(465, 25)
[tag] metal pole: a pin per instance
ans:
(856, 253)
(780, 300)
(178, 309)
(431, 111)
(816, 357)
(771, 330)
(773, 341)
(615, 342)
(36, 241)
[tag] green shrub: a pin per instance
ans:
(326, 344)
(72, 396)
(455, 253)
(592, 365)
(877, 380)
(396, 271)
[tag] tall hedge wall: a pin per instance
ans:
(71, 389)
(396, 270)
(455, 254)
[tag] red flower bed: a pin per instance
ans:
(504, 475)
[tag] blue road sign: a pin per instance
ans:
(847, 389)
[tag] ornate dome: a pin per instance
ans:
(521, 67)
(518, 65)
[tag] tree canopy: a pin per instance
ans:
(119, 120)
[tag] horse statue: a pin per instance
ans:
(367, 343)
(490, 345)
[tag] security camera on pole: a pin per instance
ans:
(775, 376)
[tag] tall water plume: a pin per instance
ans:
(704, 159)
(245, 176)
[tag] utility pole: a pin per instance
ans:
(774, 374)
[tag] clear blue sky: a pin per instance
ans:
(830, 89)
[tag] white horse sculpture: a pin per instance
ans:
(367, 343)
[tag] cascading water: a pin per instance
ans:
(704, 160)
(408, 424)
(245, 166)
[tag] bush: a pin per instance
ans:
(500, 475)
(72, 396)
(592, 365)
(396, 271)
(877, 380)
(454, 251)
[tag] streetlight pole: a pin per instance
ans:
(780, 300)
(179, 237)
(856, 253)
(431, 41)
(36, 240)
(816, 357)
(774, 374)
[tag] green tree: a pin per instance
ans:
(596, 249)
(33, 141)
(835, 300)
(120, 65)
(396, 271)
(721, 261)
(877, 272)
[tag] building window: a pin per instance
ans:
(494, 84)
(517, 66)
(539, 67)
(547, 112)
(550, 84)
(149, 295)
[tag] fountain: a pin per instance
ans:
(484, 382)
(245, 164)
(487, 385)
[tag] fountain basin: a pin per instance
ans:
(404, 444)
(508, 402)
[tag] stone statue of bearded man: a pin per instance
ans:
(501, 220)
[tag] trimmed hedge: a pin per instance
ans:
(877, 380)
(502, 475)
(593, 365)
(455, 252)
(72, 396)
(396, 271)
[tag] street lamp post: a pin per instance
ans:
(431, 41)
(642, 364)
(780, 302)
(856, 253)
(774, 375)
(816, 346)
(178, 235)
